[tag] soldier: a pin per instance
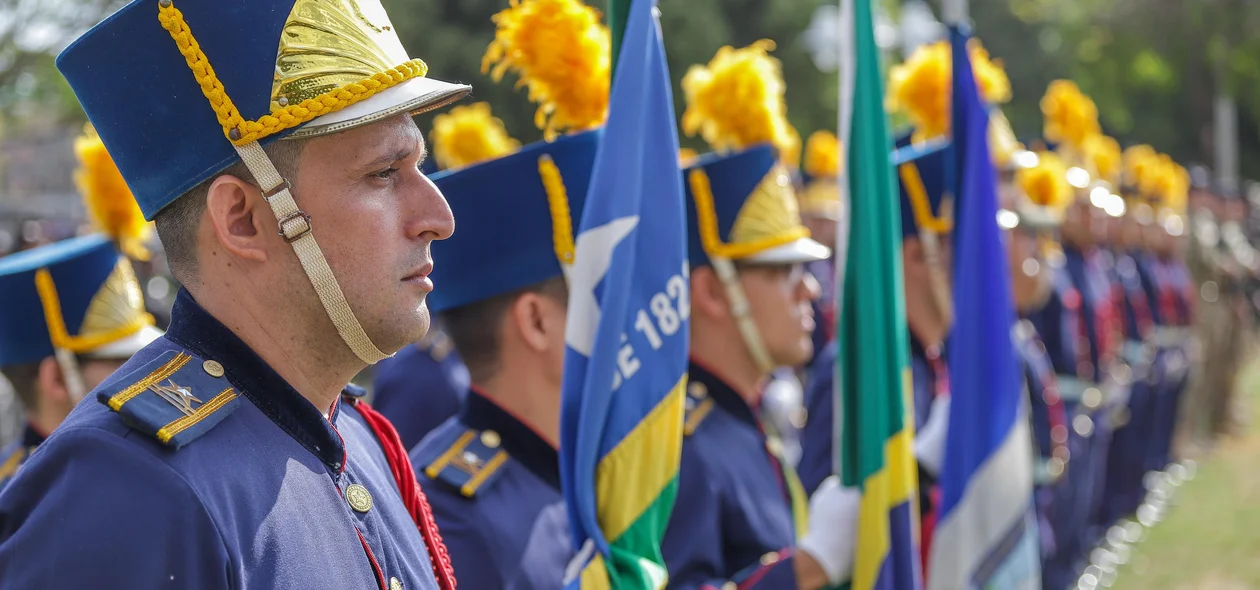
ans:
(231, 452)
(921, 159)
(85, 284)
(1175, 298)
(821, 211)
(1034, 199)
(492, 468)
(750, 302)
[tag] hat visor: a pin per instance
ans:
(799, 250)
(1035, 217)
(414, 96)
(125, 348)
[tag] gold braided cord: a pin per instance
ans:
(247, 132)
(919, 202)
(558, 202)
(60, 336)
(706, 219)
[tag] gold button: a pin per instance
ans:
(697, 390)
(394, 584)
(770, 559)
(359, 497)
(730, 586)
(213, 368)
(491, 439)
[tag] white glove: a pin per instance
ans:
(929, 443)
(832, 535)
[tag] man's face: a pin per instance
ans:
(1030, 277)
(821, 228)
(780, 296)
(375, 216)
(1080, 224)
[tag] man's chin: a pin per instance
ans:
(401, 332)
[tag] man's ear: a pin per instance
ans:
(52, 384)
(708, 294)
(537, 319)
(240, 218)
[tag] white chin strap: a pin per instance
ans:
(70, 373)
(295, 227)
(939, 283)
(742, 313)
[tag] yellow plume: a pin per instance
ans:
(110, 204)
(1046, 184)
(736, 101)
(686, 155)
(559, 49)
(994, 85)
(920, 87)
(1102, 157)
(1177, 189)
(1139, 167)
(1070, 116)
(822, 155)
(469, 134)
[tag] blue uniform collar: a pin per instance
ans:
(32, 437)
(723, 395)
(195, 329)
(520, 441)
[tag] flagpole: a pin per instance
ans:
(840, 254)
(618, 12)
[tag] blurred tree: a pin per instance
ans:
(31, 33)
(1153, 66)
(694, 30)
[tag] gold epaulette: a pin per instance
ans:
(469, 462)
(174, 398)
(699, 405)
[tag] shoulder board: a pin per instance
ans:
(353, 391)
(175, 398)
(10, 462)
(463, 458)
(699, 405)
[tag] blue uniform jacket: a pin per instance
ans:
(249, 490)
(17, 452)
(732, 519)
(1058, 323)
(817, 444)
(421, 386)
(487, 476)
(1091, 281)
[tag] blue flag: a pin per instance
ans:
(625, 367)
(986, 535)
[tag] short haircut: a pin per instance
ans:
(474, 328)
(178, 222)
(25, 380)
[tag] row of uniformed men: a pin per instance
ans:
(1112, 300)
(490, 472)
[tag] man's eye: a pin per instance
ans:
(385, 174)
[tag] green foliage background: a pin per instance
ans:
(1153, 66)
